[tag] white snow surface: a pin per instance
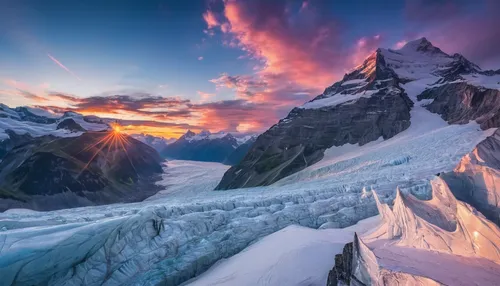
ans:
(337, 99)
(441, 240)
(492, 82)
(292, 256)
(32, 128)
(20, 127)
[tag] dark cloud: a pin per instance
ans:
(471, 28)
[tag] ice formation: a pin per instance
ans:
(434, 242)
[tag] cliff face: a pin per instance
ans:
(371, 103)
(458, 103)
(301, 138)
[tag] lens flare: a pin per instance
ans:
(113, 142)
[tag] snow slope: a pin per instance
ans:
(292, 256)
(11, 120)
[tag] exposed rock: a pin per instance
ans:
(301, 138)
(70, 125)
(343, 264)
(458, 103)
(49, 173)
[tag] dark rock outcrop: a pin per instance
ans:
(49, 173)
(343, 267)
(301, 138)
(70, 125)
(458, 103)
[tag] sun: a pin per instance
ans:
(117, 129)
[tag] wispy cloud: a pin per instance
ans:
(63, 66)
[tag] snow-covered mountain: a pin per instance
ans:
(159, 143)
(394, 143)
(51, 161)
(37, 122)
(205, 146)
(373, 101)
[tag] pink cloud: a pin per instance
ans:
(210, 19)
(200, 58)
(205, 95)
(298, 51)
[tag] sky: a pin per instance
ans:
(164, 67)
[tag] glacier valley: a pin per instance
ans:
(182, 231)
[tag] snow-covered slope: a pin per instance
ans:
(428, 243)
(292, 256)
(37, 122)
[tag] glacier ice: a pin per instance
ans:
(441, 240)
(182, 231)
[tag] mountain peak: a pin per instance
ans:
(421, 45)
(188, 134)
(204, 132)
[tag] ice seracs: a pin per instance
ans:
(415, 236)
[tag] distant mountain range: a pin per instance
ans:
(51, 161)
(59, 160)
(372, 101)
(219, 147)
(158, 143)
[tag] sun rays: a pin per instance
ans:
(112, 142)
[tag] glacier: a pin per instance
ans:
(185, 229)
(428, 242)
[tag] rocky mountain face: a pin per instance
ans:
(208, 147)
(369, 103)
(460, 102)
(48, 172)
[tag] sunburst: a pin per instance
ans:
(113, 140)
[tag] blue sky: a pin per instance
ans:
(258, 48)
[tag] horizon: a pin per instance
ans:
(166, 67)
